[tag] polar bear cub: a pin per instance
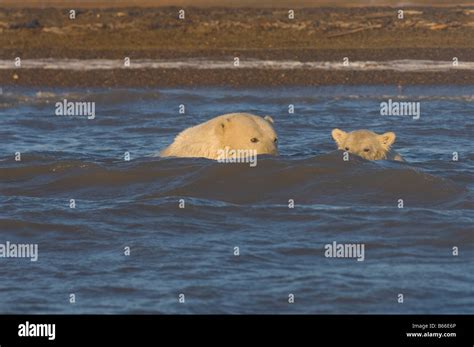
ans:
(366, 144)
(243, 132)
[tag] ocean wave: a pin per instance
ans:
(10, 99)
(324, 179)
(404, 65)
(109, 99)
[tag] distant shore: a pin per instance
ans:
(315, 34)
(243, 78)
(227, 3)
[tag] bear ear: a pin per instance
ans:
(269, 119)
(222, 126)
(338, 135)
(387, 139)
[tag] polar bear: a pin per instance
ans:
(243, 132)
(366, 144)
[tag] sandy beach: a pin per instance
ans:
(314, 34)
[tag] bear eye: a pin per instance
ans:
(366, 149)
(276, 139)
(254, 140)
(347, 148)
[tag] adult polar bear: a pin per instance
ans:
(242, 132)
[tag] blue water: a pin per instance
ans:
(190, 250)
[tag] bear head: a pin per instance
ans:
(241, 131)
(364, 143)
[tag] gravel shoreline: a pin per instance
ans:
(225, 77)
(316, 34)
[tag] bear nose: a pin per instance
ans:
(272, 148)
